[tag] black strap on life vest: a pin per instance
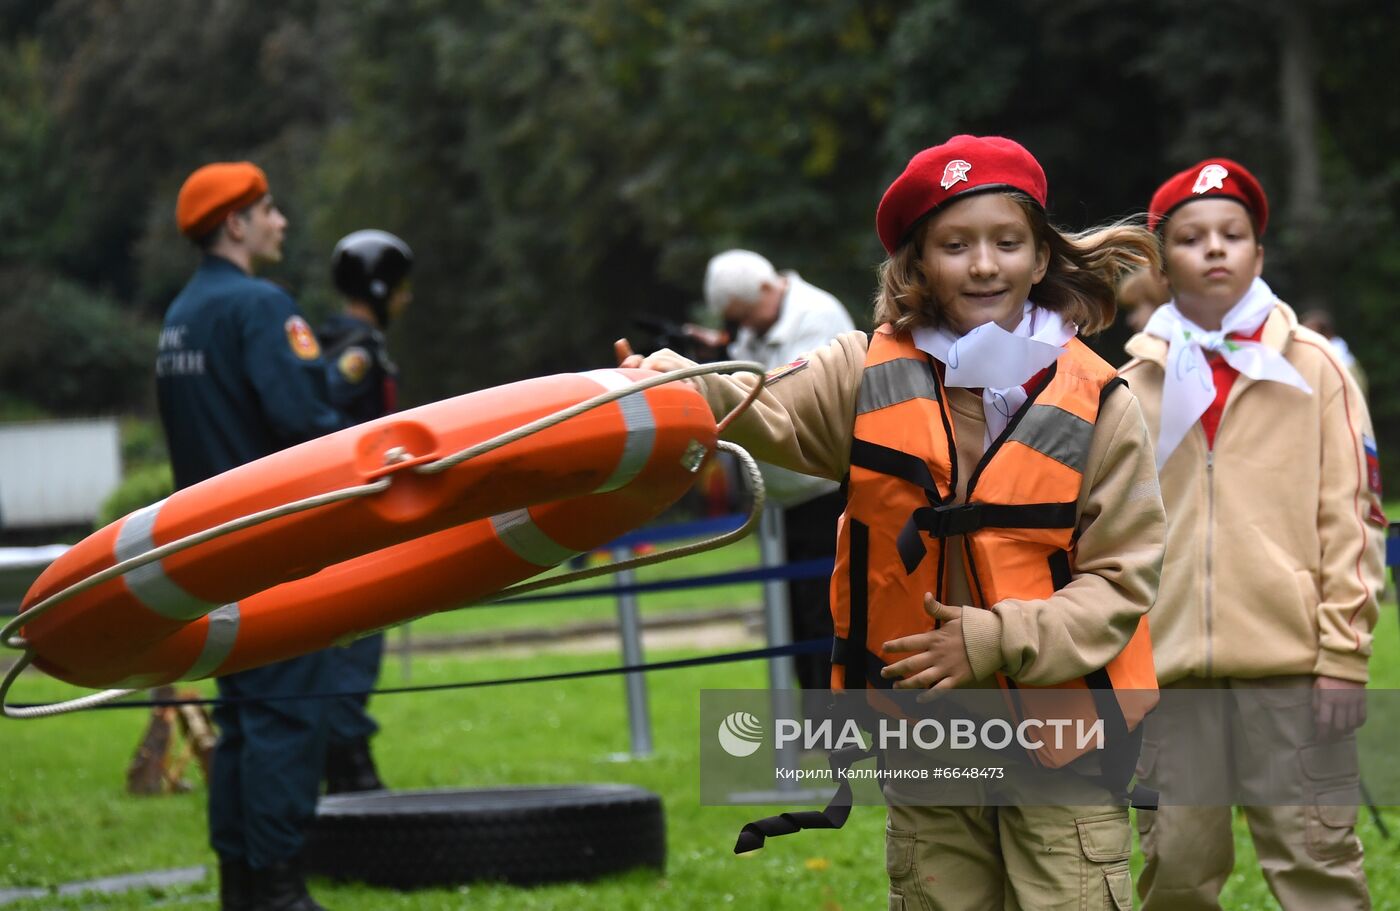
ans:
(1119, 759)
(851, 651)
(833, 816)
(843, 653)
(1060, 572)
(896, 464)
(951, 519)
(858, 567)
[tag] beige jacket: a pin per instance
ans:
(803, 421)
(1275, 541)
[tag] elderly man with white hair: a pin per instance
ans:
(781, 317)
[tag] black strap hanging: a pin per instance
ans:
(834, 816)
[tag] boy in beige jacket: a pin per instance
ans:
(1274, 556)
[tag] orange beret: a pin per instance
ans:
(212, 192)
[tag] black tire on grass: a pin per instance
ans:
(524, 836)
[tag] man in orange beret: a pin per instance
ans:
(239, 375)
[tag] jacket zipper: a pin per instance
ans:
(1210, 532)
(1210, 559)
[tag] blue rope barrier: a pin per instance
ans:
(809, 647)
(803, 569)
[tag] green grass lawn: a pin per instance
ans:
(64, 815)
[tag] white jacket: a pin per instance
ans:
(810, 318)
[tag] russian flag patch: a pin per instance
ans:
(1373, 464)
(778, 373)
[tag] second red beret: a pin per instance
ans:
(1212, 177)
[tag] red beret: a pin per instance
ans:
(212, 192)
(962, 165)
(1212, 177)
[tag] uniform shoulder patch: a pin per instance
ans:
(301, 339)
(353, 364)
(777, 373)
(1373, 464)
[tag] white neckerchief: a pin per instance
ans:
(1189, 385)
(997, 361)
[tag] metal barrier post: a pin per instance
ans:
(777, 626)
(630, 626)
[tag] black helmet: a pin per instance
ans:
(368, 265)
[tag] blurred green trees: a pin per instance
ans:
(560, 167)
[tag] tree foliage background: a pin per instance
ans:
(562, 167)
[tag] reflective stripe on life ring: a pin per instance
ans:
(149, 584)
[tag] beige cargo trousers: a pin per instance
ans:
(1309, 853)
(1009, 858)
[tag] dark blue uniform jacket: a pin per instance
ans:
(239, 374)
(362, 378)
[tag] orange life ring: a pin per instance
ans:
(428, 542)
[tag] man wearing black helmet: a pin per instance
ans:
(370, 268)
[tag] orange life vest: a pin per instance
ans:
(1017, 525)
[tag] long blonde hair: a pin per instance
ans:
(1079, 284)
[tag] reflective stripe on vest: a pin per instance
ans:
(1059, 434)
(1017, 525)
(893, 382)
